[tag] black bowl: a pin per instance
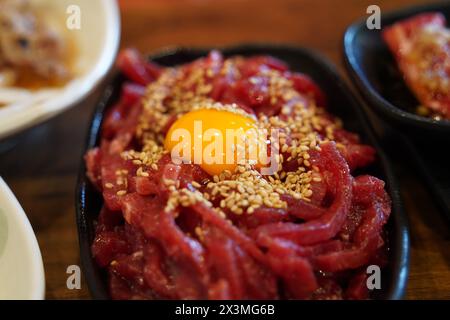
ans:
(374, 71)
(342, 103)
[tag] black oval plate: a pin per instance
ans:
(342, 103)
(374, 71)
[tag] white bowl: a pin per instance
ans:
(97, 42)
(21, 267)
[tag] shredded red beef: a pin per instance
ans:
(317, 248)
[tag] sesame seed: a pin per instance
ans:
(121, 192)
(109, 185)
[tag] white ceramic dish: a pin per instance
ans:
(21, 267)
(97, 42)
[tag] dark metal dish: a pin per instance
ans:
(342, 103)
(374, 72)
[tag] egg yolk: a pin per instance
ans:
(215, 139)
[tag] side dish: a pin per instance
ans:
(34, 48)
(421, 47)
(188, 230)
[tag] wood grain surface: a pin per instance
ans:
(41, 164)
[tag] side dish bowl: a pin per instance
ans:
(374, 72)
(96, 42)
(21, 268)
(342, 103)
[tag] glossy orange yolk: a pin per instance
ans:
(215, 139)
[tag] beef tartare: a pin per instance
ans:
(182, 230)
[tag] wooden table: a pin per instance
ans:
(42, 167)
